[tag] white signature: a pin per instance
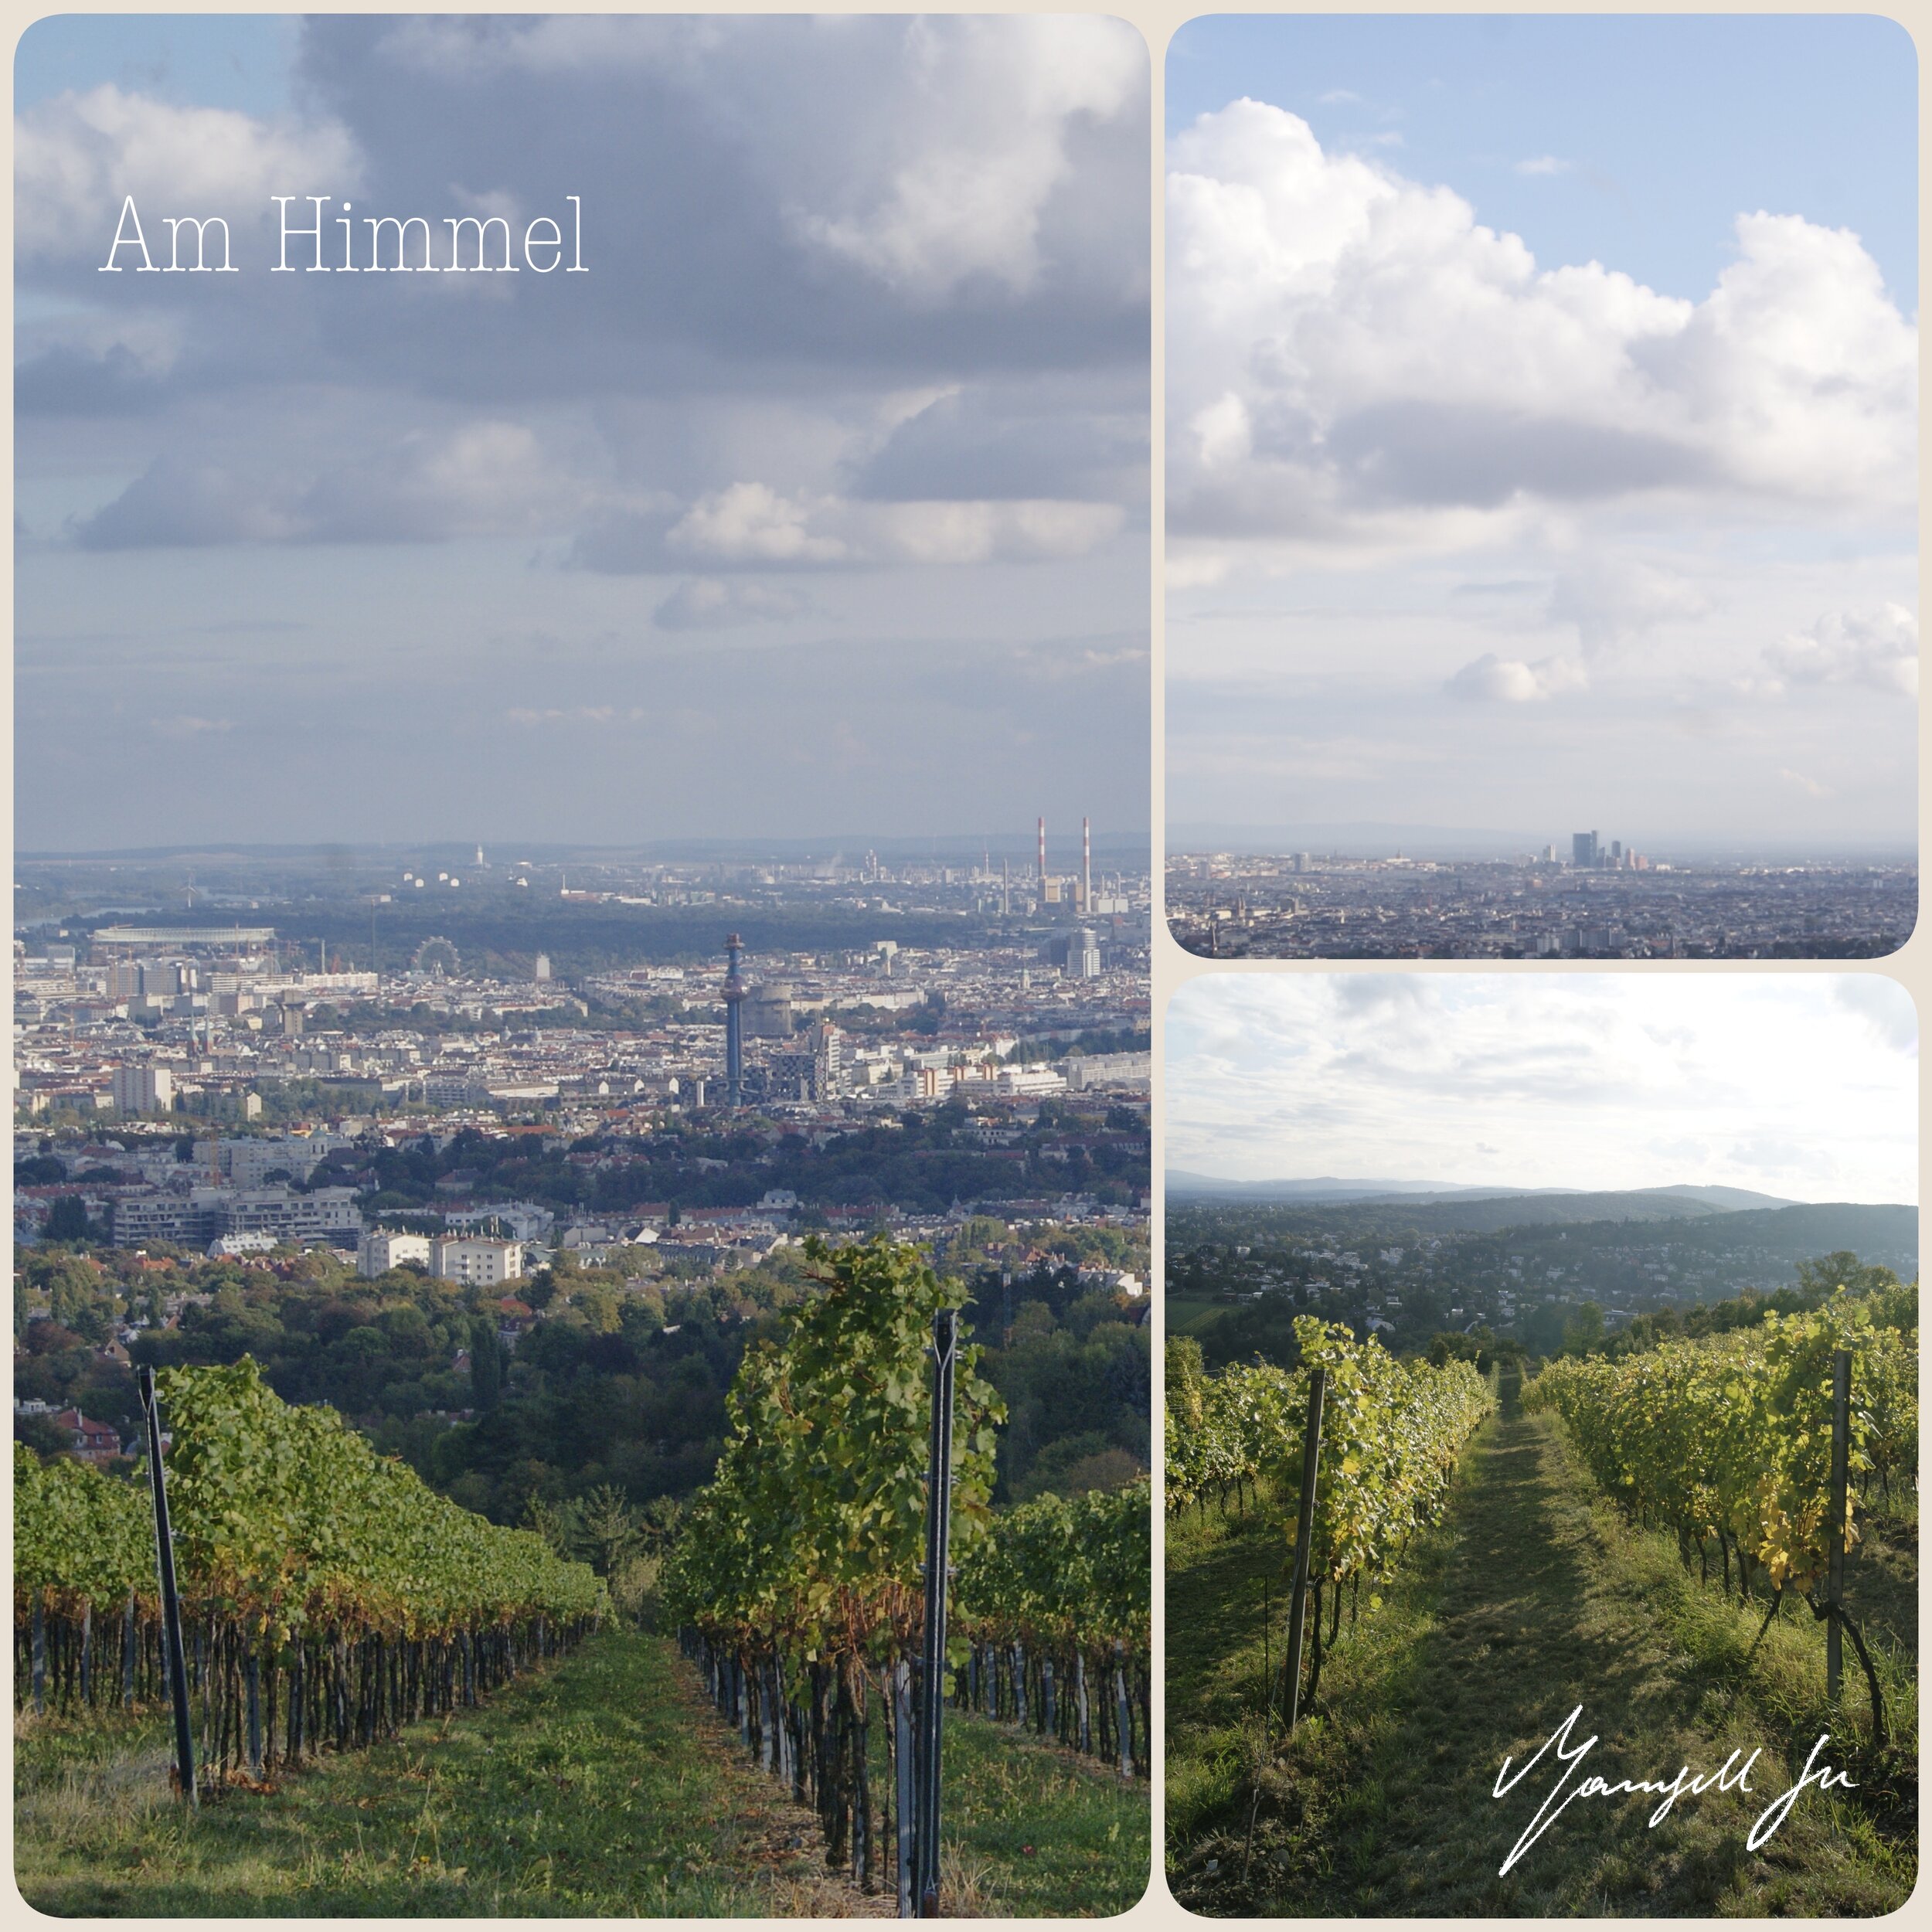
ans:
(1731, 1778)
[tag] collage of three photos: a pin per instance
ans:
(686, 1244)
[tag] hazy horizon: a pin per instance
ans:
(1359, 840)
(1064, 846)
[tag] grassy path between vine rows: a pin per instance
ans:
(604, 1786)
(1532, 1597)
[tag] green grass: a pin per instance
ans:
(1224, 1753)
(605, 1786)
(1183, 1314)
(1533, 1596)
(1032, 1831)
(1881, 1581)
(594, 1787)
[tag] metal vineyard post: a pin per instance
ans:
(939, 1511)
(1304, 1530)
(170, 1601)
(1835, 1572)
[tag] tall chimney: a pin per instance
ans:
(1042, 857)
(1086, 869)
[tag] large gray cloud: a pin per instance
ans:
(777, 209)
(776, 192)
(1440, 453)
(854, 396)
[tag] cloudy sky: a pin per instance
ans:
(1541, 426)
(818, 505)
(1549, 1080)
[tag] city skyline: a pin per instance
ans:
(1542, 422)
(822, 485)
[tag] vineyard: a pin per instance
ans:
(1391, 1432)
(1619, 1533)
(1057, 1602)
(328, 1599)
(798, 1579)
(328, 1596)
(1728, 1441)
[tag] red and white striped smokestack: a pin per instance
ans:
(1086, 869)
(1042, 855)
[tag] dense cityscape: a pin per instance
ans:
(515, 1197)
(212, 1081)
(1599, 900)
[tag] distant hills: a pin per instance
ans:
(1738, 1197)
(1733, 1216)
(1532, 1203)
(1817, 1227)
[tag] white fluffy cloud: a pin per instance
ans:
(1878, 649)
(1510, 680)
(959, 185)
(1354, 357)
(78, 156)
(753, 524)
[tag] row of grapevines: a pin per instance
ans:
(797, 1577)
(1391, 1432)
(285, 1518)
(1059, 1587)
(1731, 1437)
(1223, 1431)
(328, 1595)
(797, 1569)
(79, 1538)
